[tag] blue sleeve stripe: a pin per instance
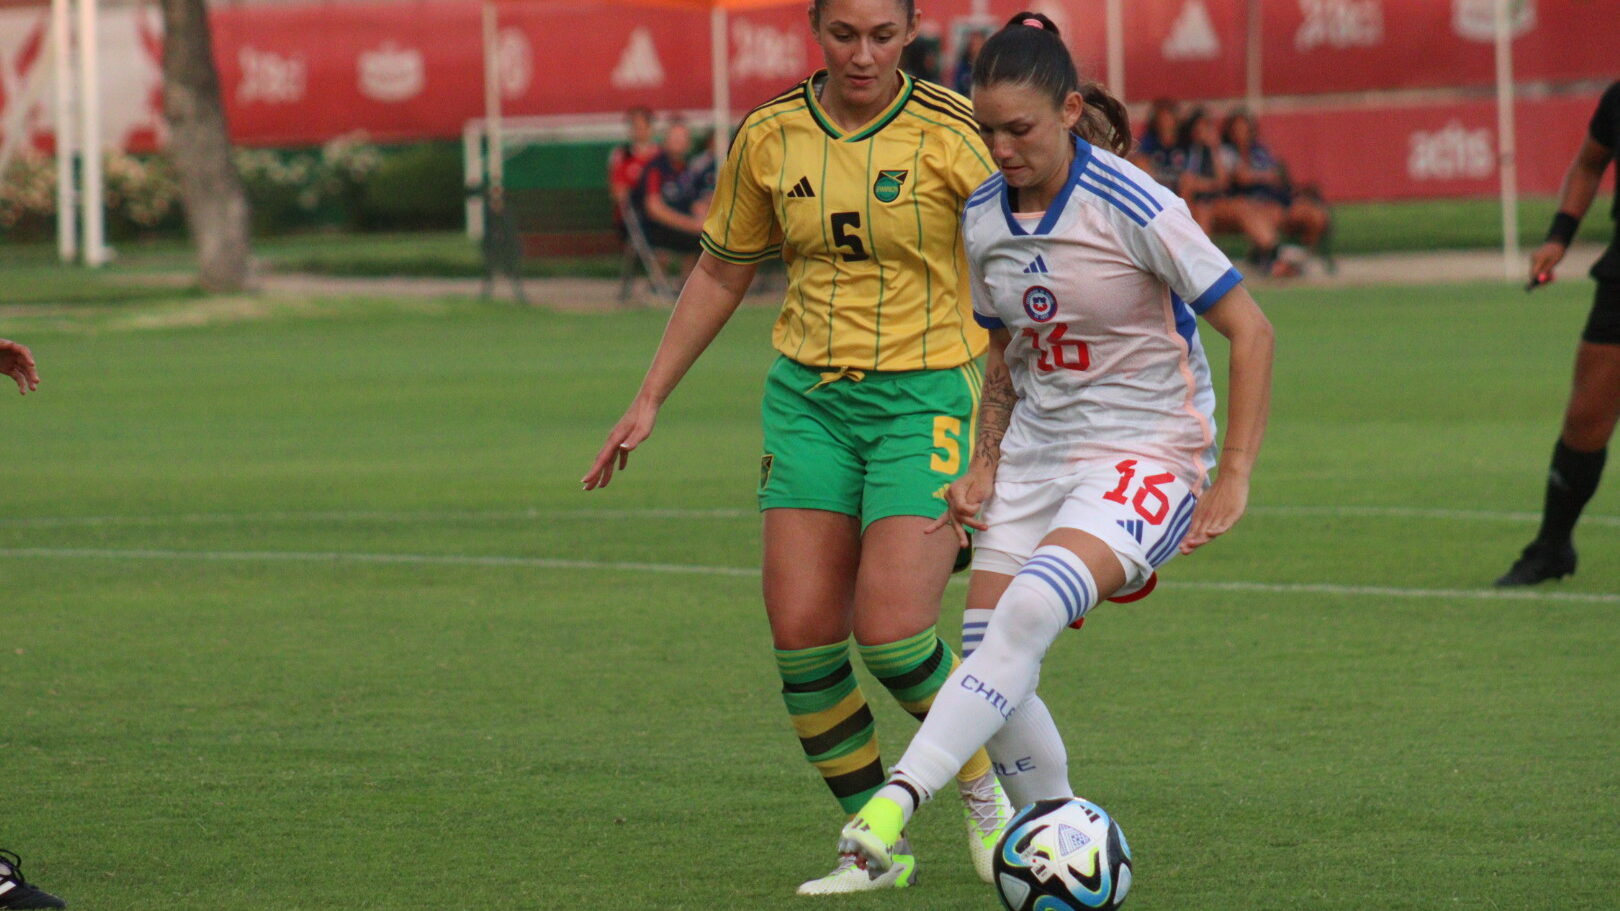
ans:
(987, 190)
(1215, 292)
(1111, 200)
(991, 184)
(988, 322)
(1124, 194)
(978, 201)
(1122, 178)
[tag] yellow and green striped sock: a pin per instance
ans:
(913, 669)
(833, 721)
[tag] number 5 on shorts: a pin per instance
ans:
(947, 437)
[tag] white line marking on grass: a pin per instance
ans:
(1407, 512)
(339, 557)
(1375, 591)
(498, 515)
(390, 516)
(293, 556)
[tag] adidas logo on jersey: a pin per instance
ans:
(1037, 267)
(801, 190)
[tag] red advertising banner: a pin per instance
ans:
(1440, 150)
(1316, 46)
(304, 74)
(293, 75)
(1185, 49)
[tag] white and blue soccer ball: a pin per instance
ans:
(1063, 855)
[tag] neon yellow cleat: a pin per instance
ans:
(853, 874)
(874, 832)
(985, 807)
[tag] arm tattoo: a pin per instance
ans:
(995, 411)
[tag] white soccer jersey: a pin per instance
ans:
(1099, 293)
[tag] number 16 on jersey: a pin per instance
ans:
(1055, 352)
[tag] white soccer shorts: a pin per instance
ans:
(1140, 508)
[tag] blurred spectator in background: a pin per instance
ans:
(1260, 178)
(666, 196)
(921, 58)
(1205, 183)
(700, 174)
(1158, 152)
(627, 161)
(962, 75)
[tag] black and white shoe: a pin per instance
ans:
(1541, 561)
(16, 892)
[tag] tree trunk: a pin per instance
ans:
(215, 203)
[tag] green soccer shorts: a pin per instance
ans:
(869, 445)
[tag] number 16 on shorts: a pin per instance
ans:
(1160, 507)
(1139, 507)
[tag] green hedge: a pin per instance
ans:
(415, 188)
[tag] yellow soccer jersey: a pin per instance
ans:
(868, 221)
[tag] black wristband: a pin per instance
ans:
(1563, 228)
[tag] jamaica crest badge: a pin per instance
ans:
(887, 186)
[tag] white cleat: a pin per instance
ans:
(852, 874)
(986, 810)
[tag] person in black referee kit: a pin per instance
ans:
(1594, 402)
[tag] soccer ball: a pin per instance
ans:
(1063, 855)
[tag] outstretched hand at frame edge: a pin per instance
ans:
(17, 362)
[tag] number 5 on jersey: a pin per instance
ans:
(844, 228)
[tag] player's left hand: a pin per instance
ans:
(963, 500)
(17, 362)
(1217, 511)
(631, 431)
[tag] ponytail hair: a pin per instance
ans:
(1028, 51)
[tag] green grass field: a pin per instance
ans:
(33, 276)
(301, 606)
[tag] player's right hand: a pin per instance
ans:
(632, 429)
(963, 500)
(1544, 259)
